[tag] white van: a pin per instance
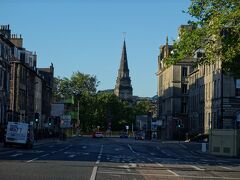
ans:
(18, 133)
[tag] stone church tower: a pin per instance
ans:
(123, 88)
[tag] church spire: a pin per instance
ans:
(123, 88)
(124, 63)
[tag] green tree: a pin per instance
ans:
(80, 88)
(142, 108)
(216, 30)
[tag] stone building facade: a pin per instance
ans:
(30, 88)
(200, 97)
(5, 55)
(173, 94)
(214, 99)
(123, 88)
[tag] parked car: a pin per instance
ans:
(97, 134)
(139, 136)
(124, 135)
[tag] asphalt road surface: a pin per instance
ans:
(86, 158)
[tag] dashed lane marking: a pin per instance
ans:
(72, 156)
(32, 160)
(172, 172)
(94, 173)
(44, 155)
(159, 164)
(131, 149)
(197, 168)
(15, 155)
(225, 167)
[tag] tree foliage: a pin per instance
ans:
(95, 109)
(216, 30)
(75, 86)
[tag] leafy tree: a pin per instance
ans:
(216, 30)
(142, 108)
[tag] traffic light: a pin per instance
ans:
(179, 123)
(49, 121)
(36, 117)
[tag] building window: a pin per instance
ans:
(237, 87)
(184, 71)
(1, 78)
(184, 108)
(184, 88)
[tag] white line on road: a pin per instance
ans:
(131, 149)
(84, 147)
(94, 173)
(150, 159)
(72, 156)
(183, 146)
(175, 174)
(159, 164)
(14, 155)
(101, 150)
(53, 152)
(44, 155)
(164, 152)
(32, 160)
(197, 168)
(225, 167)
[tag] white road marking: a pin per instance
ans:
(53, 152)
(183, 146)
(225, 167)
(150, 159)
(168, 176)
(72, 156)
(14, 155)
(159, 164)
(152, 154)
(39, 151)
(32, 160)
(175, 174)
(84, 147)
(44, 155)
(94, 172)
(133, 165)
(131, 149)
(197, 168)
(164, 152)
(85, 153)
(101, 150)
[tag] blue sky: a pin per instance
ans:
(86, 35)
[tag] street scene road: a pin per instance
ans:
(114, 158)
